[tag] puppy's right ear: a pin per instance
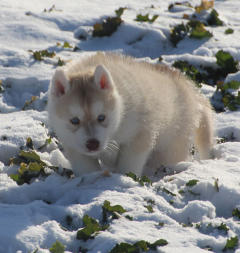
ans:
(60, 83)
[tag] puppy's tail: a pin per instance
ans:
(204, 136)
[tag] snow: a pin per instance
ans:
(33, 216)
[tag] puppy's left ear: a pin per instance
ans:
(103, 78)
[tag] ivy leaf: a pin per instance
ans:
(236, 213)
(231, 243)
(226, 62)
(107, 27)
(66, 45)
(107, 210)
(229, 31)
(141, 180)
(192, 182)
(57, 247)
(158, 243)
(198, 30)
(91, 227)
(223, 227)
(213, 19)
(29, 143)
(120, 11)
(145, 18)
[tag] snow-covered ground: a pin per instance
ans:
(192, 208)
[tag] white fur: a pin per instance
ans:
(157, 116)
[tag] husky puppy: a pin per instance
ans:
(149, 114)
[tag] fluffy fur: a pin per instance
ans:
(152, 114)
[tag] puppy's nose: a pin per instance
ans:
(92, 144)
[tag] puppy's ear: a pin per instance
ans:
(60, 83)
(103, 78)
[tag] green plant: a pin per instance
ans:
(138, 247)
(57, 247)
(229, 31)
(213, 19)
(226, 62)
(231, 243)
(192, 182)
(145, 18)
(114, 211)
(90, 229)
(143, 180)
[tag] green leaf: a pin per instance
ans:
(17, 179)
(214, 19)
(107, 27)
(192, 182)
(66, 45)
(198, 30)
(138, 246)
(124, 248)
(35, 167)
(236, 213)
(229, 31)
(57, 247)
(60, 62)
(120, 11)
(30, 156)
(145, 18)
(158, 243)
(190, 71)
(38, 55)
(29, 143)
(226, 62)
(178, 33)
(133, 176)
(149, 208)
(231, 243)
(168, 192)
(107, 210)
(91, 227)
(129, 217)
(223, 227)
(141, 180)
(143, 245)
(234, 85)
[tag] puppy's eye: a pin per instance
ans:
(75, 121)
(101, 118)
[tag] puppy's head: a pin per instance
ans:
(84, 109)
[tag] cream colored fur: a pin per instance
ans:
(155, 115)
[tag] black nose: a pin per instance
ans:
(92, 144)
